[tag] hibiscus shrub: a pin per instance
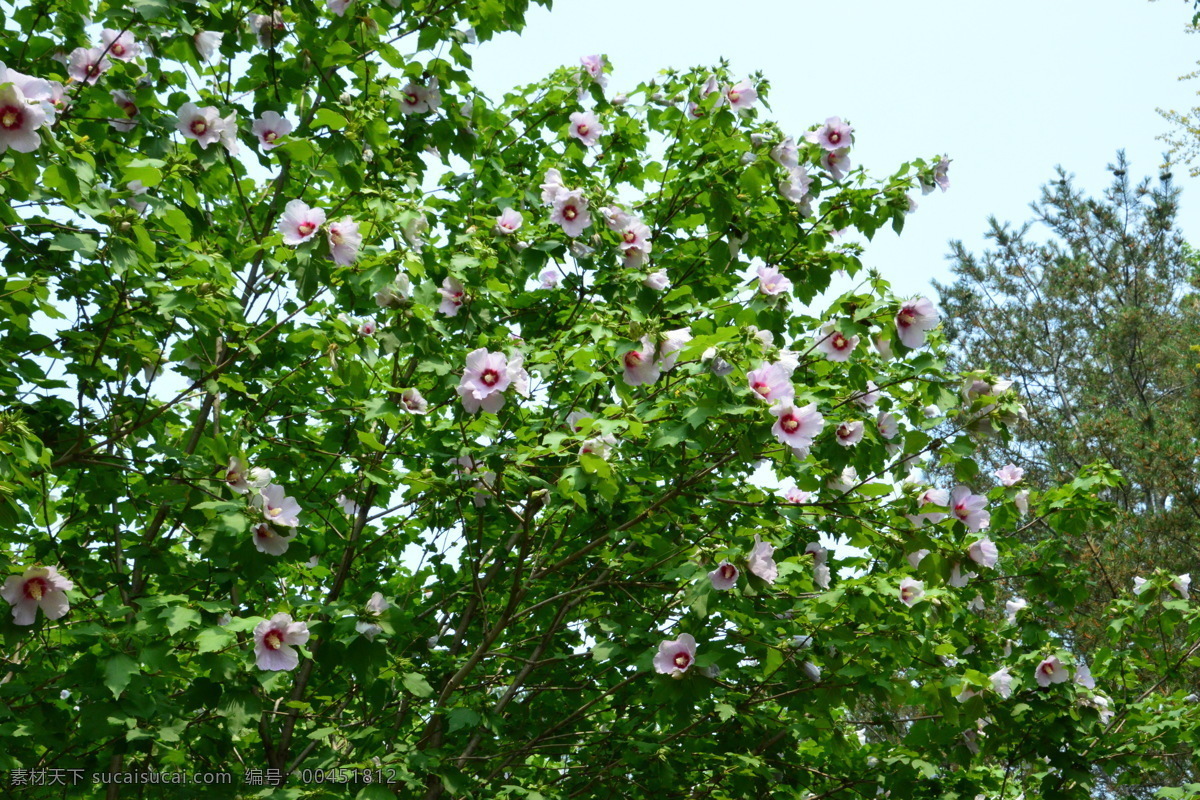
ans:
(353, 420)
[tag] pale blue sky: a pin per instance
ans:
(1008, 90)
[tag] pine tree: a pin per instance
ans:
(1097, 324)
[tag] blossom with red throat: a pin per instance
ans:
(268, 540)
(509, 221)
(643, 365)
(635, 239)
(984, 552)
(267, 28)
(600, 446)
(836, 345)
(276, 507)
(129, 110)
(586, 127)
(20, 117)
(742, 97)
(675, 655)
(797, 496)
(269, 128)
(571, 212)
(38, 587)
(1009, 474)
(549, 278)
(487, 376)
(453, 295)
(914, 318)
(299, 222)
(771, 382)
(970, 509)
(417, 99)
(761, 561)
(796, 427)
(771, 282)
(1049, 671)
(413, 402)
(235, 476)
(837, 162)
(344, 241)
(120, 44)
(87, 64)
(887, 425)
(202, 124)
(931, 497)
(833, 135)
(911, 591)
(368, 327)
(724, 577)
(594, 66)
(273, 639)
(848, 434)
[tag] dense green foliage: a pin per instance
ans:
(531, 566)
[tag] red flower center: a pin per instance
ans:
(583, 129)
(411, 98)
(839, 341)
(263, 532)
(834, 137)
(570, 213)
(734, 95)
(273, 639)
(629, 236)
(270, 136)
(906, 317)
(490, 377)
(117, 49)
(728, 571)
(682, 660)
(844, 431)
(198, 127)
(305, 228)
(762, 388)
(336, 237)
(633, 359)
(131, 110)
(789, 423)
(36, 587)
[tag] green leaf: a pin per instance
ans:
(415, 682)
(329, 118)
(211, 640)
(118, 672)
(180, 617)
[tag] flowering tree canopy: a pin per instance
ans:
(355, 420)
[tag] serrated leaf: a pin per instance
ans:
(118, 672)
(415, 682)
